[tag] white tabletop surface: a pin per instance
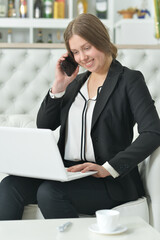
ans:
(137, 229)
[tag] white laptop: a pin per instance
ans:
(33, 152)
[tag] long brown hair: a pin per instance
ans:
(90, 28)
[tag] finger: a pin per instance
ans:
(62, 58)
(75, 168)
(65, 54)
(78, 167)
(76, 71)
(86, 169)
(90, 167)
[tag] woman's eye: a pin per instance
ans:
(74, 53)
(87, 48)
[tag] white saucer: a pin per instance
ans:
(94, 228)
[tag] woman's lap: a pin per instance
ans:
(84, 195)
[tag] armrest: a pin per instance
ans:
(152, 175)
(2, 175)
(151, 183)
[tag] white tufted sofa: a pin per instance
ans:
(27, 73)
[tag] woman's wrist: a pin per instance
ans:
(57, 88)
(56, 95)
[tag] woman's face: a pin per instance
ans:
(86, 55)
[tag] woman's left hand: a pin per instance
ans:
(85, 167)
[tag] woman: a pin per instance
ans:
(96, 112)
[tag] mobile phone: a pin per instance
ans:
(69, 65)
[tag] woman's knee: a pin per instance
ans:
(50, 190)
(53, 200)
(6, 188)
(11, 207)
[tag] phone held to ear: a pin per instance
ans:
(69, 65)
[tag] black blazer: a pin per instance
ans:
(123, 101)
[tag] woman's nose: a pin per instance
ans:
(82, 56)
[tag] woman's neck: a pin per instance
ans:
(101, 75)
(97, 79)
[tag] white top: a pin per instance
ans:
(78, 142)
(78, 128)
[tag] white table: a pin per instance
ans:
(138, 229)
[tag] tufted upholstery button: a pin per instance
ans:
(36, 98)
(37, 69)
(155, 70)
(25, 54)
(144, 55)
(48, 83)
(12, 68)
(155, 97)
(121, 55)
(25, 84)
(12, 98)
(23, 112)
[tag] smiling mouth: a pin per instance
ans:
(89, 63)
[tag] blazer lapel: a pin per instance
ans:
(107, 89)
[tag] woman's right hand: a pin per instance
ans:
(61, 79)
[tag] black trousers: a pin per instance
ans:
(55, 199)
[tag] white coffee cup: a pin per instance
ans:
(107, 220)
